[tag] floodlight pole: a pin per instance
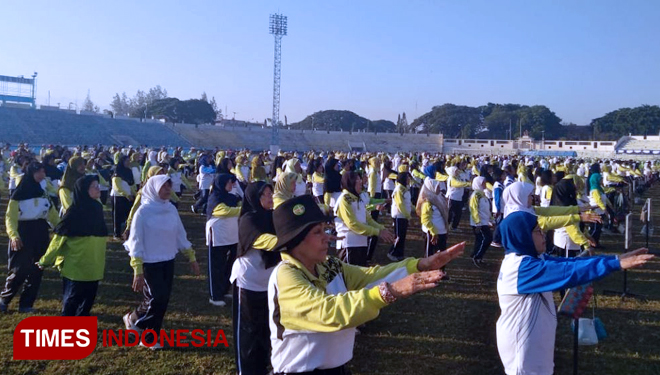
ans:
(34, 90)
(278, 28)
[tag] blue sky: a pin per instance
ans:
(376, 58)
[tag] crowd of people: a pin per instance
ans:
(271, 219)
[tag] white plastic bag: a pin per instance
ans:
(587, 332)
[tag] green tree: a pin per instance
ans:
(640, 120)
(452, 120)
(342, 120)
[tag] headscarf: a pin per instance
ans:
(85, 215)
(516, 231)
(219, 194)
(258, 170)
(283, 186)
(477, 182)
(516, 198)
(153, 157)
(429, 171)
(52, 171)
(29, 188)
(150, 195)
(255, 221)
(152, 171)
(564, 193)
(223, 166)
(123, 172)
(594, 182)
(71, 174)
(427, 194)
(290, 166)
(159, 212)
(483, 172)
(332, 178)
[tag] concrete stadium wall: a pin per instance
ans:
(500, 146)
(258, 138)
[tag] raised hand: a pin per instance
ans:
(441, 258)
(415, 283)
(590, 218)
(635, 258)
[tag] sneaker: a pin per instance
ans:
(476, 262)
(217, 303)
(25, 310)
(392, 257)
(192, 208)
(496, 244)
(156, 346)
(130, 325)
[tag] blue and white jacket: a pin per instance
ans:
(526, 328)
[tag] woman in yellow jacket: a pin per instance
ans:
(29, 213)
(353, 222)
(285, 188)
(401, 211)
(74, 170)
(316, 301)
(79, 246)
(123, 194)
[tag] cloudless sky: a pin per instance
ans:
(377, 58)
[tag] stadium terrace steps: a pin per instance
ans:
(258, 138)
(45, 127)
(641, 144)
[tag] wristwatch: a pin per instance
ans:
(386, 292)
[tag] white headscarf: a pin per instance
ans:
(155, 212)
(427, 193)
(477, 182)
(150, 191)
(153, 157)
(516, 198)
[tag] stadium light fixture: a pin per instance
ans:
(278, 28)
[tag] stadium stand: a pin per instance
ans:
(643, 145)
(60, 127)
(258, 138)
(53, 125)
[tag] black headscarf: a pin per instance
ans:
(85, 216)
(29, 188)
(564, 193)
(223, 166)
(52, 171)
(123, 172)
(483, 172)
(332, 182)
(255, 221)
(219, 194)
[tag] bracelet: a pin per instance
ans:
(386, 292)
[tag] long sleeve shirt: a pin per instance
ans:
(28, 209)
(312, 318)
(77, 258)
(525, 288)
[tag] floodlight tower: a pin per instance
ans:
(278, 28)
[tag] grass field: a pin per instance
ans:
(449, 330)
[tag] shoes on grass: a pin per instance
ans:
(217, 303)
